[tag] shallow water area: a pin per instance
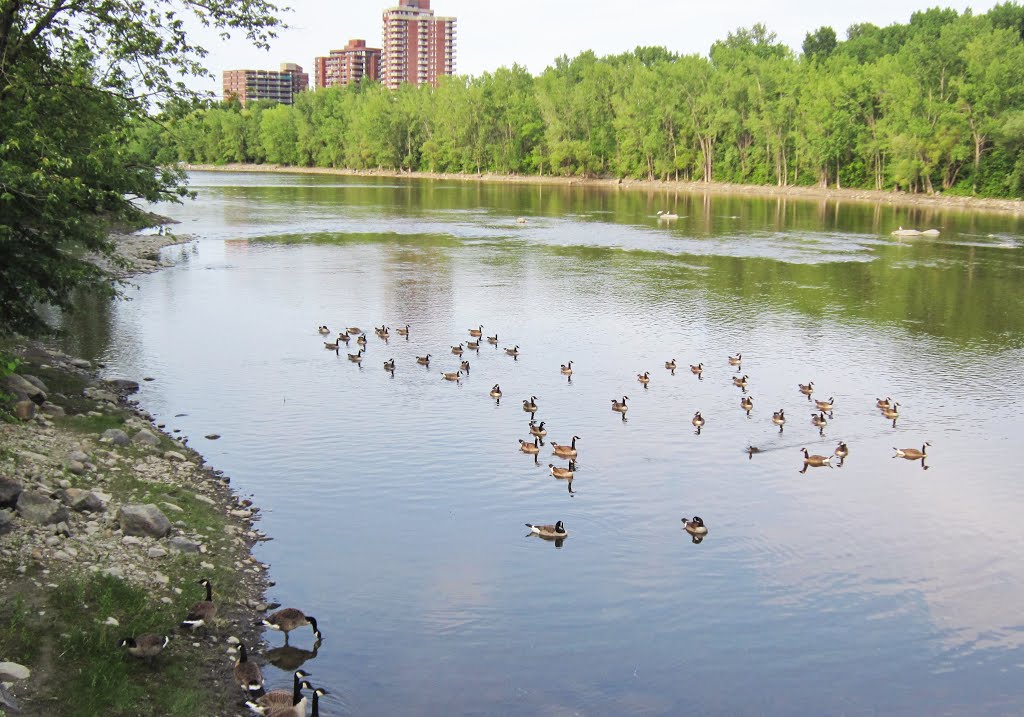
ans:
(397, 501)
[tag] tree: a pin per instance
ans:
(75, 75)
(820, 44)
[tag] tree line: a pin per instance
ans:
(936, 104)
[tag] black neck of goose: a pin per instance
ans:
(296, 690)
(243, 655)
(316, 705)
(209, 592)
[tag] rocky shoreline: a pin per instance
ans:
(95, 497)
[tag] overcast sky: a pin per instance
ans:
(534, 32)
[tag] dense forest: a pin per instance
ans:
(934, 105)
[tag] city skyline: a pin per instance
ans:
(533, 34)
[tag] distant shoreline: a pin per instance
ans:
(922, 201)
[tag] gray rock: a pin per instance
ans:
(52, 409)
(98, 394)
(146, 438)
(63, 555)
(23, 389)
(80, 363)
(115, 436)
(7, 699)
(6, 521)
(25, 410)
(212, 436)
(10, 489)
(157, 553)
(41, 510)
(124, 385)
(77, 455)
(172, 507)
(76, 467)
(183, 545)
(204, 499)
(37, 382)
(143, 520)
(82, 501)
(13, 671)
(174, 456)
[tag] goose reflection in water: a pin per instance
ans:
(289, 658)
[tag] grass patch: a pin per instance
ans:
(91, 424)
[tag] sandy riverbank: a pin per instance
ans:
(931, 201)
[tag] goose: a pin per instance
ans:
(492, 339)
(283, 698)
(423, 360)
(779, 418)
(457, 350)
(842, 451)
(892, 411)
(565, 451)
(294, 706)
(671, 365)
(248, 675)
(816, 461)
(697, 420)
(747, 404)
(148, 645)
(317, 694)
(818, 419)
(496, 391)
(323, 330)
(558, 472)
(699, 368)
(912, 454)
(384, 334)
(473, 345)
(477, 332)
(354, 330)
(530, 404)
(361, 340)
(380, 330)
(453, 376)
(883, 402)
(695, 526)
(740, 381)
(403, 332)
(287, 619)
(548, 531)
(464, 366)
(389, 365)
(620, 406)
(513, 351)
(529, 447)
(520, 220)
(358, 357)
(567, 369)
(644, 378)
(664, 216)
(736, 360)
(344, 337)
(825, 405)
(807, 389)
(202, 612)
(538, 430)
(332, 346)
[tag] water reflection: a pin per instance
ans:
(290, 658)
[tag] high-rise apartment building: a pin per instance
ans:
(347, 66)
(276, 85)
(418, 46)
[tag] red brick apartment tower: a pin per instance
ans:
(276, 85)
(347, 66)
(418, 47)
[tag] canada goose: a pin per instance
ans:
(736, 360)
(664, 216)
(317, 694)
(496, 391)
(883, 402)
(464, 366)
(699, 368)
(747, 404)
(565, 451)
(620, 406)
(697, 420)
(403, 332)
(530, 404)
(825, 405)
(287, 619)
(567, 369)
(380, 329)
(807, 389)
(513, 351)
(423, 360)
(384, 334)
(356, 358)
(816, 461)
(293, 706)
(779, 419)
(473, 345)
(558, 472)
(202, 612)
(389, 365)
(457, 350)
(538, 430)
(548, 531)
(671, 365)
(842, 451)
(818, 419)
(529, 447)
(284, 698)
(520, 220)
(892, 411)
(361, 340)
(354, 330)
(912, 454)
(324, 330)
(644, 378)
(148, 645)
(344, 337)
(455, 376)
(740, 381)
(477, 332)
(695, 526)
(492, 339)
(332, 346)
(248, 675)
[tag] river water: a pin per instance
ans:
(397, 502)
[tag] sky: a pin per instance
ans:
(532, 33)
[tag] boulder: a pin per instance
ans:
(80, 363)
(124, 385)
(35, 381)
(13, 671)
(143, 520)
(183, 545)
(115, 436)
(25, 410)
(6, 521)
(174, 456)
(146, 438)
(41, 510)
(52, 409)
(23, 389)
(98, 394)
(83, 501)
(10, 489)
